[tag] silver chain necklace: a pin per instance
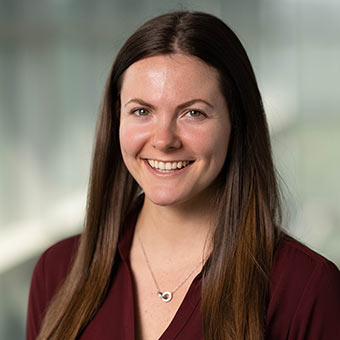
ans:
(167, 295)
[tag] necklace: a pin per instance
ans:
(167, 295)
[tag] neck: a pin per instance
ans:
(177, 228)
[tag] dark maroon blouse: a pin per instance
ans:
(304, 296)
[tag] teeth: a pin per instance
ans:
(167, 166)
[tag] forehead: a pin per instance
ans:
(165, 75)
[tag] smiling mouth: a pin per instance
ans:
(168, 166)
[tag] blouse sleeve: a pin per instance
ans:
(304, 297)
(37, 301)
(317, 316)
(48, 275)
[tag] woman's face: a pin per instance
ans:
(174, 128)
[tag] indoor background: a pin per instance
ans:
(54, 59)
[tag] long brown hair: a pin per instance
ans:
(247, 201)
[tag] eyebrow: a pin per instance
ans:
(179, 107)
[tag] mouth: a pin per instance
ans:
(167, 167)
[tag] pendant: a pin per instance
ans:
(166, 296)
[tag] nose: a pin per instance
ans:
(165, 137)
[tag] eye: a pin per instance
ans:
(140, 112)
(196, 114)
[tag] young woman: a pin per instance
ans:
(182, 237)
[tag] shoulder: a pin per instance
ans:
(59, 256)
(56, 260)
(304, 293)
(53, 265)
(295, 260)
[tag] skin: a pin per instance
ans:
(172, 109)
(157, 124)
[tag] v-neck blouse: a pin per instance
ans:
(304, 296)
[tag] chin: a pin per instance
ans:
(165, 199)
(163, 202)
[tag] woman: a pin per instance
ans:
(182, 236)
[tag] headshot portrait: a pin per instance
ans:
(197, 208)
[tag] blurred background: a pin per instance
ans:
(55, 56)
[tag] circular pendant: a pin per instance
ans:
(166, 296)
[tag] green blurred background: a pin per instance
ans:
(54, 59)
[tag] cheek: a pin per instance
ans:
(132, 138)
(211, 143)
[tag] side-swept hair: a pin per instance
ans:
(247, 200)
